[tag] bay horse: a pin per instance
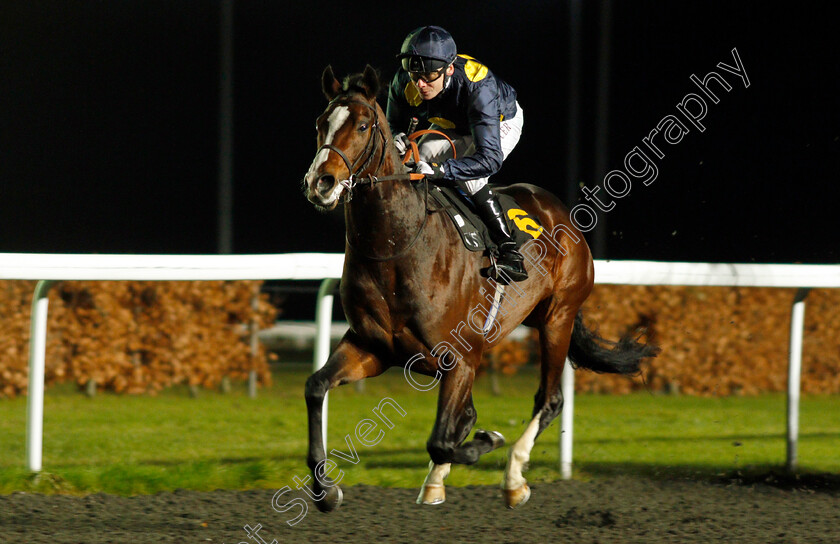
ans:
(408, 284)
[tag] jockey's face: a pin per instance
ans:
(430, 89)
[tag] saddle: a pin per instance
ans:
(469, 225)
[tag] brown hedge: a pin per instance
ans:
(135, 337)
(138, 337)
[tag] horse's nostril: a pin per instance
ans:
(325, 184)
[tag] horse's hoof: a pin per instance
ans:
(331, 500)
(517, 497)
(432, 494)
(495, 438)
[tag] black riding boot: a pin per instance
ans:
(510, 259)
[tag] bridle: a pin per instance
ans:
(367, 154)
(366, 159)
(370, 152)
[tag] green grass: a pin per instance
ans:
(128, 445)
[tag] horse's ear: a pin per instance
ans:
(371, 80)
(329, 84)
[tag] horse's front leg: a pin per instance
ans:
(349, 363)
(455, 418)
(433, 490)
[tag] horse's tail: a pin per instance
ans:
(588, 350)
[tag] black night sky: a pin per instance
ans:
(109, 120)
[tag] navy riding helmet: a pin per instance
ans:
(427, 49)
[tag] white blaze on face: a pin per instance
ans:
(336, 120)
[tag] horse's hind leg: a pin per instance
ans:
(349, 363)
(555, 334)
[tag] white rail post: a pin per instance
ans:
(255, 344)
(323, 323)
(567, 420)
(37, 358)
(797, 325)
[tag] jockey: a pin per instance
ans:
(460, 97)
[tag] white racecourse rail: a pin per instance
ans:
(49, 268)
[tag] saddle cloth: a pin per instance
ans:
(473, 232)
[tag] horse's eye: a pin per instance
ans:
(363, 127)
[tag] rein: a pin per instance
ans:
(412, 151)
(415, 152)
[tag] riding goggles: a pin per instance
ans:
(427, 77)
(427, 69)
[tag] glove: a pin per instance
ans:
(432, 170)
(401, 143)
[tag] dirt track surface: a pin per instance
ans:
(608, 510)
